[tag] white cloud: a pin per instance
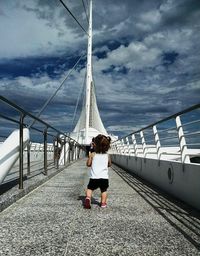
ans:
(175, 40)
(24, 34)
(135, 56)
(152, 17)
(167, 6)
(122, 128)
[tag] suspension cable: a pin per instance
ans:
(78, 99)
(53, 95)
(85, 11)
(87, 4)
(73, 16)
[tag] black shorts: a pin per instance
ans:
(103, 184)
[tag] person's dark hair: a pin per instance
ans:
(102, 143)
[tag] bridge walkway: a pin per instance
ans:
(139, 220)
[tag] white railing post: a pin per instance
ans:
(128, 145)
(182, 142)
(144, 147)
(52, 151)
(38, 150)
(76, 151)
(113, 147)
(157, 141)
(123, 146)
(135, 147)
(34, 151)
(117, 147)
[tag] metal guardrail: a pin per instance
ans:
(60, 139)
(176, 137)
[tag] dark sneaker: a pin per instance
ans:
(87, 204)
(103, 205)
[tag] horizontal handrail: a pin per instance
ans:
(168, 138)
(150, 140)
(9, 119)
(192, 133)
(166, 130)
(62, 145)
(162, 120)
(193, 144)
(26, 113)
(193, 122)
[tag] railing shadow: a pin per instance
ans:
(182, 217)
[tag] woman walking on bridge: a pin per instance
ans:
(99, 161)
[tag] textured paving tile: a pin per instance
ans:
(34, 180)
(138, 221)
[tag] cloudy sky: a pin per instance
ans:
(146, 59)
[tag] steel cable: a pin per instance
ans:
(85, 11)
(73, 16)
(53, 95)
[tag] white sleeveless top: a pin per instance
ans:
(99, 168)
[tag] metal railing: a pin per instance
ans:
(59, 141)
(176, 137)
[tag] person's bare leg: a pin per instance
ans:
(89, 193)
(104, 196)
(87, 203)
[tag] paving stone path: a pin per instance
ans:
(139, 220)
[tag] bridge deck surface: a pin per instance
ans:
(139, 220)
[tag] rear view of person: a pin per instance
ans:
(99, 161)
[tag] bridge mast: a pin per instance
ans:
(89, 76)
(89, 124)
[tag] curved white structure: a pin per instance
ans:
(9, 152)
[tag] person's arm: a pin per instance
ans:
(109, 161)
(89, 160)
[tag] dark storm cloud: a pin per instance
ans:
(181, 12)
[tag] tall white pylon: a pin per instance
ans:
(89, 75)
(89, 124)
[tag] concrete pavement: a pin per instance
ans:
(139, 220)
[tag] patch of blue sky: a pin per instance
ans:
(168, 58)
(32, 66)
